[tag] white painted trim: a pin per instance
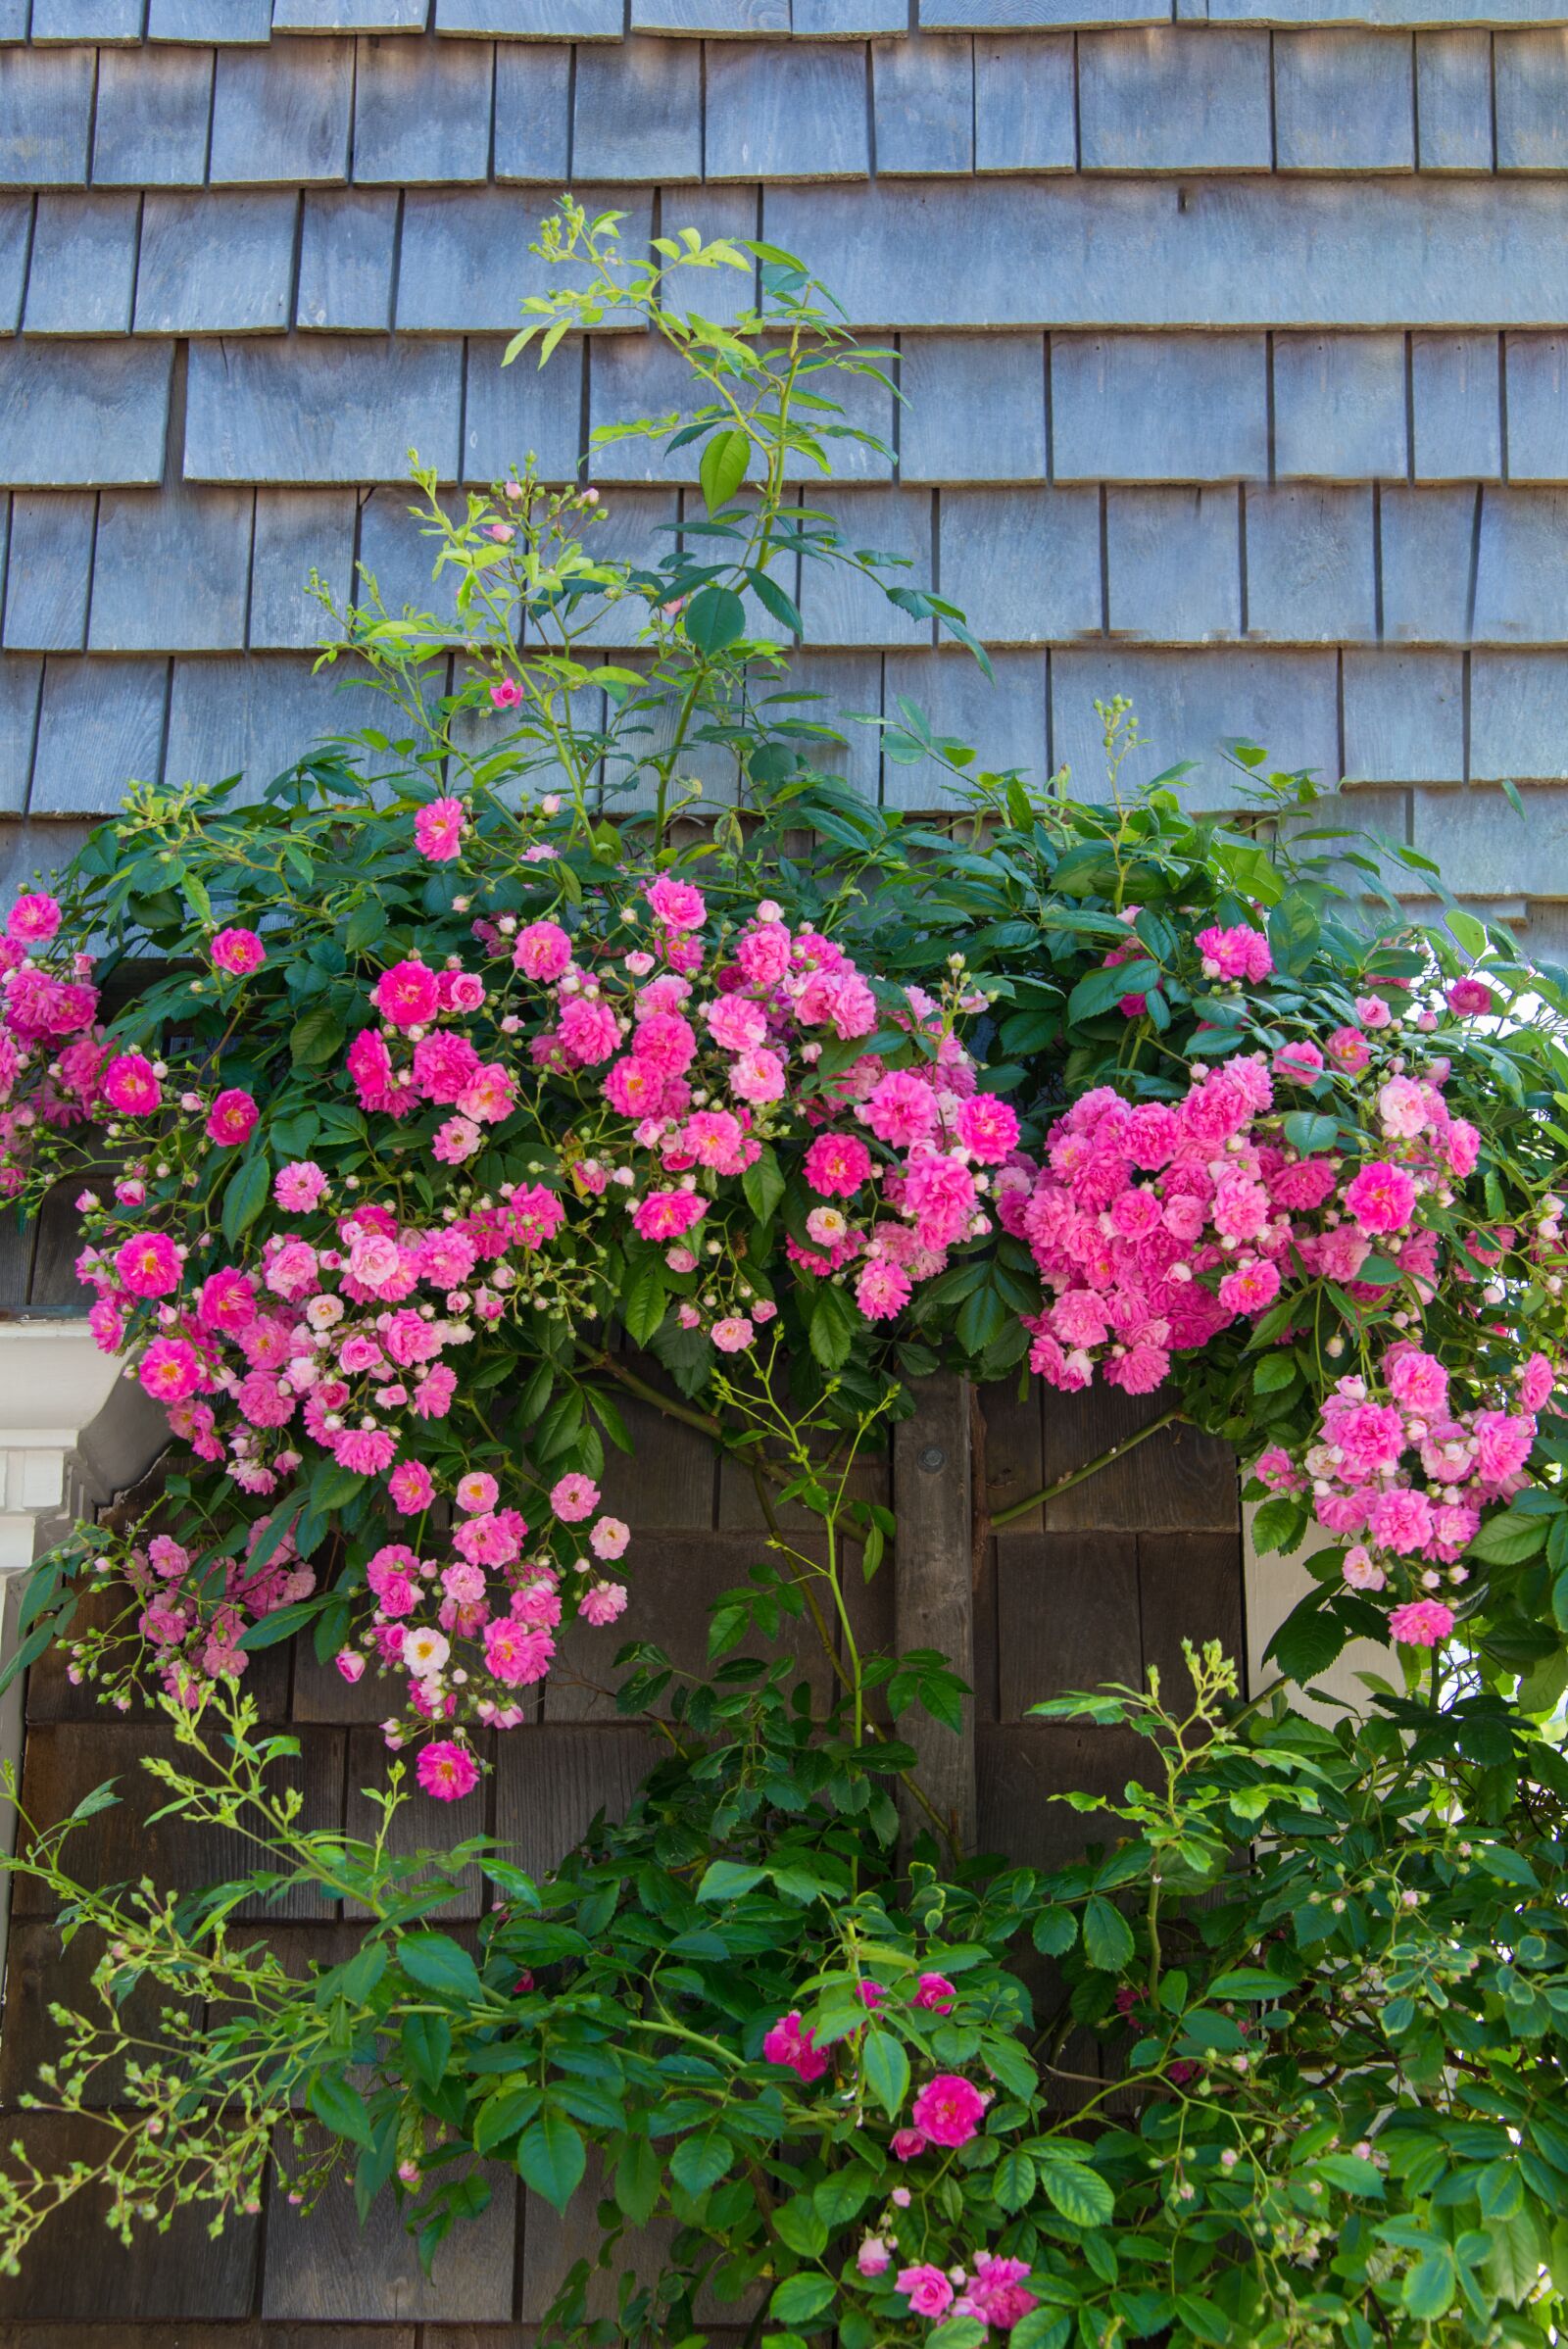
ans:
(53, 1386)
(1274, 1586)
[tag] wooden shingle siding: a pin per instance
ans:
(1231, 334)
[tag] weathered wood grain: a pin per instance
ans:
(324, 2267)
(1067, 1611)
(551, 1781)
(1179, 1478)
(932, 1602)
(1190, 1586)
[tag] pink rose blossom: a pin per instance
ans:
(231, 1119)
(906, 2144)
(1469, 999)
(1421, 1621)
(678, 905)
(873, 2257)
(1381, 1198)
(438, 829)
(33, 919)
(298, 1186)
(733, 1333)
(602, 1604)
(447, 1770)
(609, 1538)
(238, 952)
(148, 1265)
(169, 1370)
(406, 996)
(926, 2289)
(787, 2044)
(130, 1086)
(574, 1497)
(948, 2110)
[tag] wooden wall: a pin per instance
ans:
(1103, 1582)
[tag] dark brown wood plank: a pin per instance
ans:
(1179, 1479)
(58, 1245)
(1022, 1771)
(42, 1969)
(319, 1692)
(1016, 1448)
(327, 2336)
(1190, 1587)
(174, 2336)
(933, 1585)
(551, 1781)
(63, 1762)
(76, 2273)
(323, 2268)
(670, 1477)
(552, 2241)
(739, 1508)
(672, 1579)
(1068, 1608)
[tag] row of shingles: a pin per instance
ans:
(450, 113)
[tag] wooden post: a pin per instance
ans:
(933, 1597)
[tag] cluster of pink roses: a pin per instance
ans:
(1407, 1475)
(56, 1067)
(946, 2113)
(637, 1074)
(1158, 1224)
(195, 1643)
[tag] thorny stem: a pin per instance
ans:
(1081, 1476)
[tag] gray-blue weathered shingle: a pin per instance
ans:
(1453, 100)
(1173, 569)
(348, 239)
(719, 292)
(1339, 406)
(1531, 73)
(398, 550)
(322, 409)
(83, 265)
(1521, 577)
(1427, 542)
(51, 563)
(750, 18)
(421, 112)
(16, 223)
(170, 570)
(282, 112)
(1027, 16)
(1343, 102)
(787, 111)
(534, 20)
(45, 116)
(231, 20)
(19, 679)
(216, 264)
(1535, 371)
(833, 690)
(1005, 719)
(532, 139)
(1189, 703)
(1174, 99)
(298, 532)
(253, 717)
(1023, 565)
(464, 264)
(924, 92)
(1239, 252)
(511, 412)
(1404, 717)
(848, 20)
(1482, 846)
(975, 408)
(1455, 382)
(637, 110)
(152, 114)
(1159, 407)
(1519, 720)
(1310, 574)
(100, 726)
(635, 526)
(350, 15)
(88, 20)
(84, 413)
(1025, 101)
(840, 605)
